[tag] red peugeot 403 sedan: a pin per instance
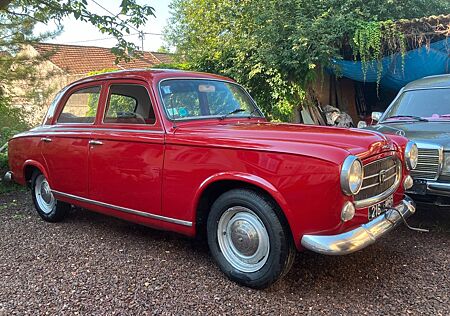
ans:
(192, 153)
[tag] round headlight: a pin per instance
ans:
(446, 166)
(352, 175)
(411, 155)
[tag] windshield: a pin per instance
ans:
(185, 99)
(430, 104)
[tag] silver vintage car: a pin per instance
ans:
(421, 112)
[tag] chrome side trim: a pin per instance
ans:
(58, 128)
(362, 236)
(126, 210)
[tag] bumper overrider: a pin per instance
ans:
(361, 236)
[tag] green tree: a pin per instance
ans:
(276, 47)
(18, 19)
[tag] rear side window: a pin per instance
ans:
(81, 107)
(129, 104)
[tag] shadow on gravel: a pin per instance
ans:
(103, 224)
(310, 270)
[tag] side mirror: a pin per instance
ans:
(376, 116)
(362, 124)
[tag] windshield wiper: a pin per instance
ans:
(231, 113)
(417, 118)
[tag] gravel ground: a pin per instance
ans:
(97, 265)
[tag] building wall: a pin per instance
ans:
(51, 79)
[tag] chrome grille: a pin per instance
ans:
(379, 177)
(427, 165)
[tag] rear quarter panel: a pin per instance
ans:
(24, 150)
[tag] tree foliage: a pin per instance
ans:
(29, 12)
(275, 47)
(18, 19)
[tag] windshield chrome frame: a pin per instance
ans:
(261, 115)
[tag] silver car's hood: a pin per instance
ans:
(434, 132)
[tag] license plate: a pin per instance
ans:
(380, 208)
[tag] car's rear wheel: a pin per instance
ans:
(47, 206)
(247, 239)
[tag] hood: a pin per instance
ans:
(430, 132)
(310, 140)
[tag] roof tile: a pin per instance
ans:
(77, 60)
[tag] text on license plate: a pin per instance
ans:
(380, 208)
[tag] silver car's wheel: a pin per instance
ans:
(243, 239)
(43, 194)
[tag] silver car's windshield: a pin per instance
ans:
(429, 104)
(186, 99)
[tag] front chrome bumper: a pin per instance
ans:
(361, 236)
(426, 187)
(439, 188)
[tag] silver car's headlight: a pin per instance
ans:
(352, 175)
(446, 164)
(411, 155)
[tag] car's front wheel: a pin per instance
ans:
(247, 239)
(47, 206)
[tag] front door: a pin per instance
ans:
(126, 151)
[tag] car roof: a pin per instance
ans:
(150, 74)
(431, 82)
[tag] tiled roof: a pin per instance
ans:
(165, 58)
(77, 60)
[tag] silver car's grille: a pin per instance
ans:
(428, 164)
(379, 177)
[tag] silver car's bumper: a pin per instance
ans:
(8, 176)
(438, 188)
(361, 236)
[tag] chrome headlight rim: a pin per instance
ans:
(446, 164)
(411, 155)
(346, 173)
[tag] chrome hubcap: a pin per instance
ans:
(44, 195)
(243, 239)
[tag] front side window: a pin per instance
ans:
(129, 104)
(186, 99)
(431, 104)
(81, 107)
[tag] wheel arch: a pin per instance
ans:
(218, 184)
(29, 167)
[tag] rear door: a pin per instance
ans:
(65, 145)
(127, 149)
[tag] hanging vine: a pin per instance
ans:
(374, 40)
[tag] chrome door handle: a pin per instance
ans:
(95, 142)
(45, 139)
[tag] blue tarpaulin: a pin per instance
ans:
(396, 72)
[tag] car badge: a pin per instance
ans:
(381, 176)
